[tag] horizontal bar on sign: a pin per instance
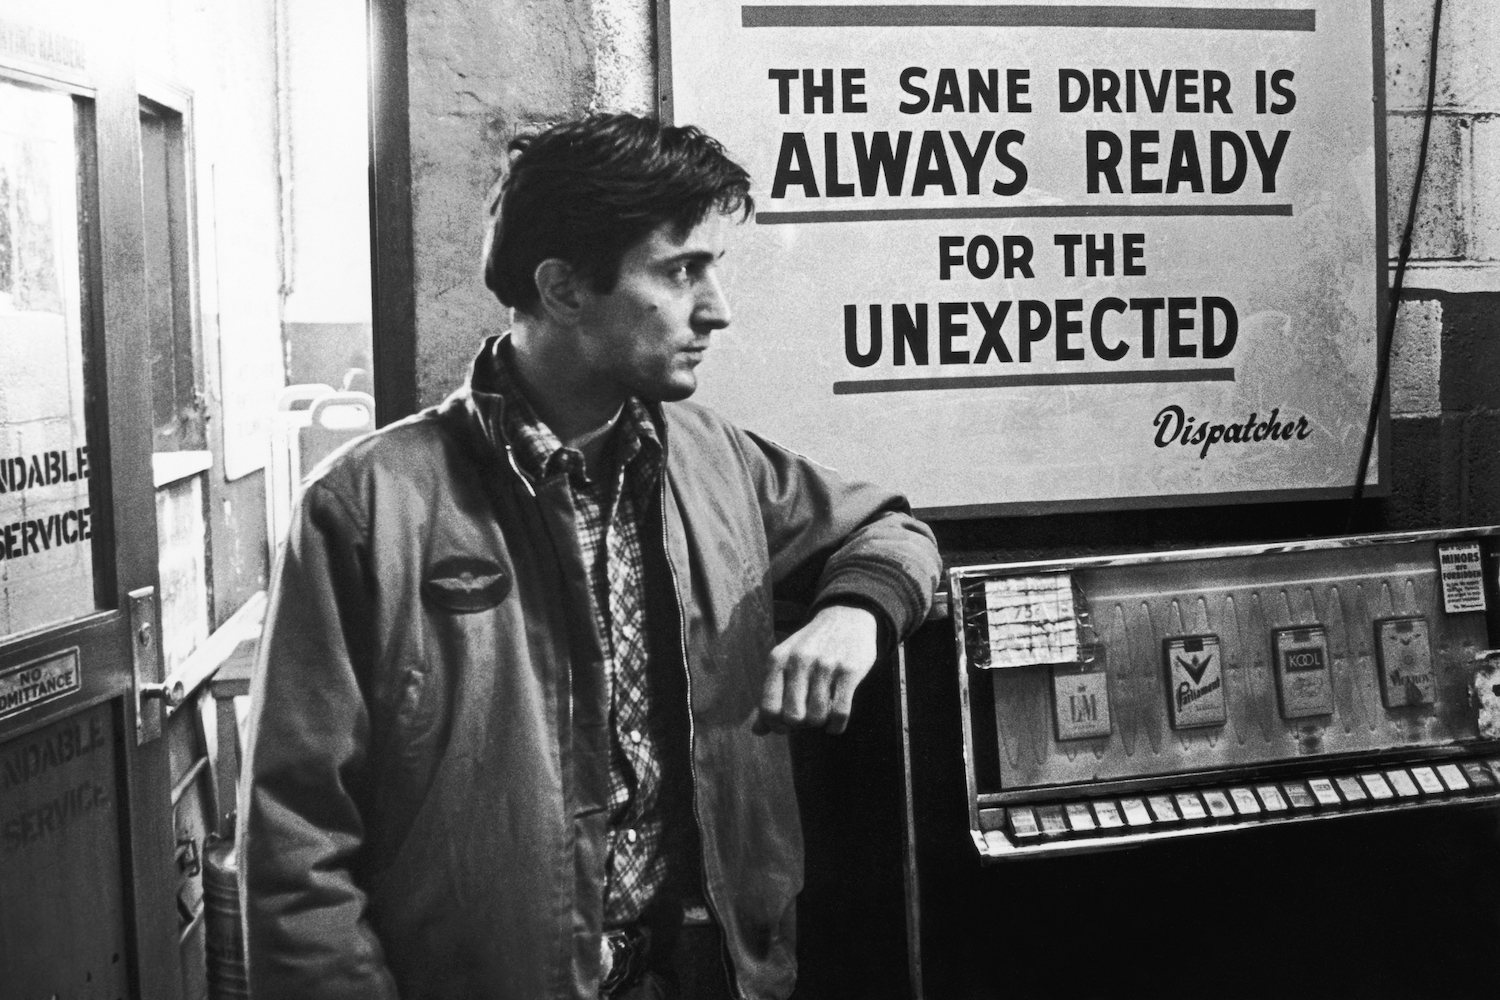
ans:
(1015, 212)
(1024, 16)
(860, 387)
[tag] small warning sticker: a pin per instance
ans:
(38, 681)
(1463, 577)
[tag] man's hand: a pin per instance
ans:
(815, 671)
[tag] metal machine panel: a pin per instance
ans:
(1239, 606)
(1224, 688)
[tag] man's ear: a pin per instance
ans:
(560, 288)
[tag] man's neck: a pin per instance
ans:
(576, 410)
(594, 446)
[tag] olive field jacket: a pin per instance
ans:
(424, 810)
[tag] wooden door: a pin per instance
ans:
(86, 862)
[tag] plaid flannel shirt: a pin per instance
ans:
(608, 515)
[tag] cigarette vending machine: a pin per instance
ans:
(1299, 744)
(1117, 701)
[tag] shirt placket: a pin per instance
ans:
(638, 860)
(606, 516)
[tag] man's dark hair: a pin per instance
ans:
(586, 191)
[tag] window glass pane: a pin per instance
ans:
(177, 403)
(158, 238)
(46, 559)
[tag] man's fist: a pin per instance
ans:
(815, 671)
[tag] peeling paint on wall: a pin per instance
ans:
(625, 56)
(478, 74)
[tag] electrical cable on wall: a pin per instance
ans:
(1383, 359)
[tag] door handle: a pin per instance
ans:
(152, 697)
(171, 695)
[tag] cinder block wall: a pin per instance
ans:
(482, 71)
(1445, 401)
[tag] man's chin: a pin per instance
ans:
(674, 391)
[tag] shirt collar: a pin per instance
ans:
(511, 422)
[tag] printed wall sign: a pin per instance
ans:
(1050, 255)
(1462, 571)
(46, 559)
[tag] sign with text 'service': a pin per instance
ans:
(1050, 254)
(46, 512)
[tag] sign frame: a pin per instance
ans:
(68, 681)
(1377, 479)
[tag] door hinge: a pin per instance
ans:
(152, 696)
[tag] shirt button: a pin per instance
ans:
(631, 836)
(635, 736)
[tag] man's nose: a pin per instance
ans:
(712, 309)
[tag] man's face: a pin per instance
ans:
(646, 337)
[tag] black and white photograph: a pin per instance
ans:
(738, 500)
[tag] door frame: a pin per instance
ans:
(117, 382)
(393, 331)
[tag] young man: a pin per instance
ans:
(517, 701)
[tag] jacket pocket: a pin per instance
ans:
(409, 702)
(416, 714)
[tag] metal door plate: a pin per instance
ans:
(145, 654)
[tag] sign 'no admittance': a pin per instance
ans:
(1055, 254)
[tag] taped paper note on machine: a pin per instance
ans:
(1032, 620)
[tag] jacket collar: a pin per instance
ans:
(493, 402)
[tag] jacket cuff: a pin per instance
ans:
(892, 603)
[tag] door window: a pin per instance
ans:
(46, 557)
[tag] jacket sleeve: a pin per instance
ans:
(300, 821)
(833, 539)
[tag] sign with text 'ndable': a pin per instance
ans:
(1050, 254)
(46, 514)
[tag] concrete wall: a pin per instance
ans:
(479, 73)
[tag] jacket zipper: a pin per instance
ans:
(510, 455)
(687, 673)
(687, 676)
